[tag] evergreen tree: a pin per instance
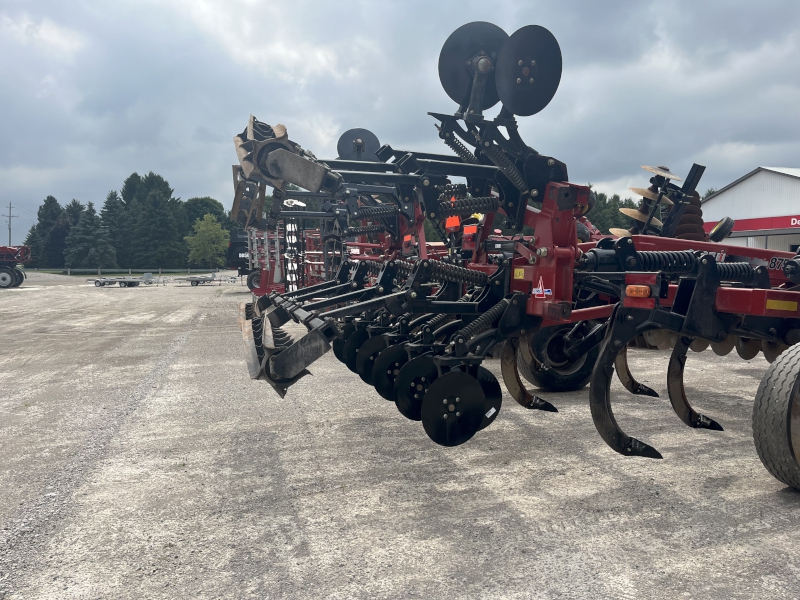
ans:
(197, 208)
(34, 241)
(606, 212)
(209, 243)
(87, 244)
(73, 211)
(115, 219)
(155, 240)
(52, 248)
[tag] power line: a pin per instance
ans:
(9, 216)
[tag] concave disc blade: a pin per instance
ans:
(367, 354)
(413, 381)
(353, 139)
(387, 367)
(463, 44)
(338, 344)
(528, 70)
(494, 396)
(453, 408)
(351, 347)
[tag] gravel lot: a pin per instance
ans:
(138, 460)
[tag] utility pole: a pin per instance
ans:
(9, 216)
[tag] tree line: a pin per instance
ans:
(143, 225)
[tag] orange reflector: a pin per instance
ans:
(637, 291)
(452, 222)
(470, 229)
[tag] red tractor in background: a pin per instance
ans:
(10, 259)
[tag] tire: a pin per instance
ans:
(254, 280)
(7, 278)
(584, 235)
(123, 284)
(18, 277)
(775, 433)
(564, 378)
(196, 283)
(98, 283)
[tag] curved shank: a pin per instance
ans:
(677, 393)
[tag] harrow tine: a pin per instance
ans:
(251, 351)
(508, 368)
(600, 391)
(626, 377)
(677, 393)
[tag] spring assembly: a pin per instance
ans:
(502, 162)
(367, 229)
(485, 321)
(736, 271)
(373, 267)
(384, 210)
(669, 262)
(460, 149)
(445, 272)
(468, 206)
(442, 318)
(404, 268)
(453, 190)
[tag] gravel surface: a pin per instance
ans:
(138, 460)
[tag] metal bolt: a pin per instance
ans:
(458, 414)
(486, 144)
(520, 63)
(534, 193)
(413, 295)
(629, 318)
(531, 80)
(510, 204)
(550, 162)
(531, 260)
(522, 331)
(433, 215)
(514, 302)
(533, 63)
(704, 261)
(444, 416)
(460, 340)
(444, 401)
(617, 343)
(541, 252)
(380, 289)
(497, 282)
(519, 80)
(426, 182)
(458, 399)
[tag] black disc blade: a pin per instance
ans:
(411, 385)
(387, 367)
(494, 396)
(337, 345)
(528, 70)
(367, 354)
(453, 408)
(463, 44)
(358, 144)
(351, 347)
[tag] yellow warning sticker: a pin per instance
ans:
(785, 305)
(519, 273)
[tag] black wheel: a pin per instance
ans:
(338, 343)
(123, 284)
(18, 277)
(6, 278)
(387, 368)
(254, 280)
(552, 371)
(98, 283)
(195, 283)
(776, 418)
(367, 354)
(584, 235)
(351, 347)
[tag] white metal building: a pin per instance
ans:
(765, 204)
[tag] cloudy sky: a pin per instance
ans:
(91, 91)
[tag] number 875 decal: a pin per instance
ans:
(776, 263)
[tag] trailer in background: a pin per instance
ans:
(10, 259)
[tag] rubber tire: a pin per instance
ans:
(123, 284)
(552, 380)
(772, 410)
(584, 235)
(196, 283)
(98, 283)
(18, 277)
(254, 280)
(9, 280)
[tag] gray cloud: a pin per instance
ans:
(93, 91)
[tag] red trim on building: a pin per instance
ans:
(764, 223)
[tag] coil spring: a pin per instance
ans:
(404, 268)
(364, 230)
(502, 162)
(670, 262)
(460, 149)
(375, 211)
(373, 267)
(468, 206)
(459, 190)
(442, 318)
(446, 272)
(736, 271)
(485, 321)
